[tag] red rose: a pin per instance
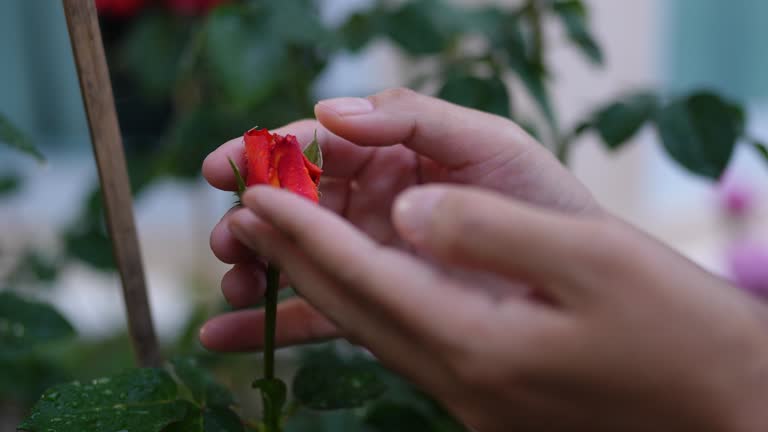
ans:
(120, 8)
(193, 7)
(278, 161)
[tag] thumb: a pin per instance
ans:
(479, 229)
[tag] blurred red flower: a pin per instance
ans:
(192, 7)
(120, 8)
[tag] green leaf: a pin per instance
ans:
(244, 59)
(204, 388)
(91, 246)
(33, 266)
(700, 132)
(239, 178)
(11, 136)
(573, 14)
(505, 33)
(761, 148)
(314, 153)
(304, 420)
(522, 60)
(414, 28)
(619, 121)
(360, 29)
(274, 394)
(397, 417)
(33, 372)
(151, 52)
(329, 385)
(214, 419)
(9, 184)
(136, 400)
(25, 324)
(295, 21)
(532, 78)
(485, 94)
(218, 419)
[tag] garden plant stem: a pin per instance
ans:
(271, 419)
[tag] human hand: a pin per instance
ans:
(374, 149)
(630, 336)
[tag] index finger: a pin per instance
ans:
(405, 290)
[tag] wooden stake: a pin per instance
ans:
(96, 88)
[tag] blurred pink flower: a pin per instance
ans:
(736, 197)
(748, 264)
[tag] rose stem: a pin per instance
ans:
(272, 413)
(270, 307)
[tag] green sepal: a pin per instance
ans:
(240, 181)
(314, 153)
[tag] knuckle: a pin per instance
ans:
(393, 94)
(306, 122)
(605, 240)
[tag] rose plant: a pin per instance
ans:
(212, 68)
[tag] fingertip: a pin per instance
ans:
(244, 285)
(413, 211)
(225, 246)
(216, 168)
(329, 118)
(207, 335)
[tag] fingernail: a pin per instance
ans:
(348, 106)
(413, 211)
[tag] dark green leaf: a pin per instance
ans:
(314, 153)
(395, 417)
(34, 266)
(194, 135)
(523, 61)
(204, 388)
(245, 60)
(11, 136)
(533, 79)
(25, 324)
(573, 13)
(215, 419)
(274, 394)
(489, 21)
(92, 246)
(192, 421)
(32, 373)
(328, 385)
(9, 184)
(485, 94)
(151, 53)
(295, 21)
(360, 29)
(620, 121)
(700, 132)
(137, 400)
(304, 420)
(761, 148)
(414, 28)
(218, 419)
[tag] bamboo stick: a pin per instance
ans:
(96, 89)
